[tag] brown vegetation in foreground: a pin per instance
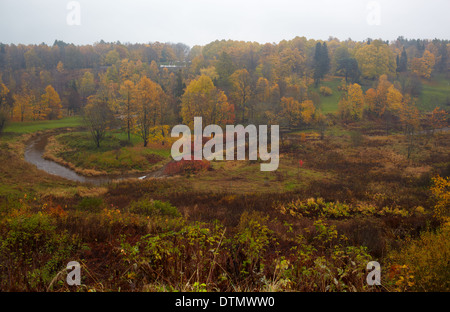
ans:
(168, 234)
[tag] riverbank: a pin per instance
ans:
(75, 150)
(25, 168)
(36, 148)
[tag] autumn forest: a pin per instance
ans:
(86, 172)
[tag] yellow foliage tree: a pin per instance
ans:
(60, 67)
(296, 113)
(423, 66)
(291, 111)
(51, 103)
(5, 107)
(154, 71)
(376, 99)
(351, 106)
(159, 134)
(149, 107)
(308, 110)
(375, 59)
(394, 100)
(203, 99)
(87, 85)
(24, 104)
(241, 90)
(291, 62)
(128, 104)
(262, 91)
(128, 71)
(211, 72)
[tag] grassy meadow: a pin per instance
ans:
(115, 155)
(27, 127)
(435, 93)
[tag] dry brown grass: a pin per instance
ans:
(69, 192)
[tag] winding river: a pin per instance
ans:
(34, 152)
(35, 149)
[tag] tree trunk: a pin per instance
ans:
(128, 129)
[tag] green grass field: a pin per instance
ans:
(33, 126)
(435, 93)
(329, 104)
(115, 153)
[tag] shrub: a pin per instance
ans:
(93, 204)
(328, 263)
(441, 194)
(187, 166)
(184, 258)
(253, 239)
(31, 252)
(153, 208)
(326, 91)
(422, 264)
(319, 208)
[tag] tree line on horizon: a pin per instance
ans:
(224, 82)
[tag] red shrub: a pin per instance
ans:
(187, 166)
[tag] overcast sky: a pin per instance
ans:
(202, 21)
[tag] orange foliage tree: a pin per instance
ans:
(149, 107)
(423, 66)
(51, 103)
